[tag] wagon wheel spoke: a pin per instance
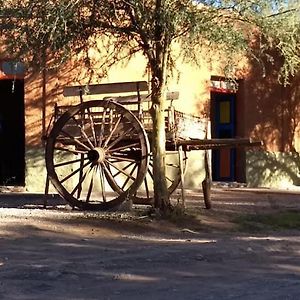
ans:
(117, 140)
(74, 151)
(122, 158)
(88, 196)
(127, 179)
(80, 174)
(120, 170)
(169, 179)
(113, 131)
(125, 168)
(74, 173)
(103, 174)
(150, 173)
(84, 133)
(132, 145)
(75, 140)
(92, 124)
(68, 162)
(101, 132)
(146, 188)
(78, 186)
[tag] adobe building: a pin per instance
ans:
(254, 106)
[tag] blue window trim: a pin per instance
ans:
(230, 127)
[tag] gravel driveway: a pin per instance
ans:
(57, 253)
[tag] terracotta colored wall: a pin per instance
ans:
(272, 110)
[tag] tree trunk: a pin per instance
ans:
(158, 63)
(158, 143)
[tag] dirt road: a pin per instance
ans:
(56, 253)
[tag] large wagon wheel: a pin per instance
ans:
(88, 146)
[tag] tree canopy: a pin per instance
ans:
(67, 27)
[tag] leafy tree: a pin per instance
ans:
(61, 28)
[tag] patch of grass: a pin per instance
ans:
(179, 216)
(273, 221)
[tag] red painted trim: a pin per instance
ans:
(224, 91)
(10, 77)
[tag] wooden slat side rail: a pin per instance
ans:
(106, 88)
(219, 143)
(132, 99)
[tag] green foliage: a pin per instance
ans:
(62, 28)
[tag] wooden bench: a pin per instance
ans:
(139, 88)
(135, 99)
(106, 88)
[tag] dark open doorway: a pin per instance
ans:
(12, 132)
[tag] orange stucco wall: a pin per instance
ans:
(42, 93)
(272, 110)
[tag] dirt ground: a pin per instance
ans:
(57, 253)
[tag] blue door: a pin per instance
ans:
(223, 126)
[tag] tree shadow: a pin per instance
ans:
(265, 167)
(272, 109)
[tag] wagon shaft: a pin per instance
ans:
(203, 144)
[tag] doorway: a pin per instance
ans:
(223, 126)
(12, 132)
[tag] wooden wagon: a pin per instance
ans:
(98, 153)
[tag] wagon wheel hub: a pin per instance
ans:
(96, 155)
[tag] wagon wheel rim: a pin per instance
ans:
(90, 147)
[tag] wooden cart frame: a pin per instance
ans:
(98, 153)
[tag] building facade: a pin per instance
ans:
(253, 106)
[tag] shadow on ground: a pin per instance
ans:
(58, 253)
